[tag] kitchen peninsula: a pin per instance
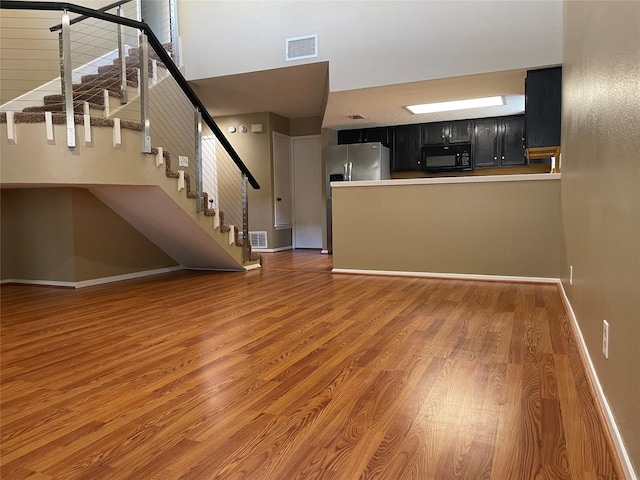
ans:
(502, 226)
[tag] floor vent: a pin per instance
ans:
(258, 239)
(299, 48)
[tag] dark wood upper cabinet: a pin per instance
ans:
(498, 142)
(433, 133)
(349, 136)
(364, 135)
(446, 132)
(378, 134)
(485, 143)
(406, 151)
(460, 131)
(543, 102)
(510, 140)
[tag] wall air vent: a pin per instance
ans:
(258, 239)
(299, 48)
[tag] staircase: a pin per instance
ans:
(152, 205)
(92, 86)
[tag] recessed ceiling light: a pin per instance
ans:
(456, 105)
(356, 117)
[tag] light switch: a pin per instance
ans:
(183, 161)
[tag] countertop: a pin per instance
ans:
(444, 180)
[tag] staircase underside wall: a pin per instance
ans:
(127, 181)
(66, 235)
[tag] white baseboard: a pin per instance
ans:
(252, 266)
(45, 283)
(601, 398)
(451, 276)
(94, 281)
(325, 251)
(272, 250)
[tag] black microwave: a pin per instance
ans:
(447, 158)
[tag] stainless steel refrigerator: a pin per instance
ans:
(354, 162)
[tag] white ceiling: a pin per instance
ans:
(374, 56)
(298, 92)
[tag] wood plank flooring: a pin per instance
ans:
(291, 372)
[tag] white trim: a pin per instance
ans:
(11, 128)
(451, 276)
(272, 250)
(87, 126)
(252, 266)
(324, 251)
(95, 281)
(444, 180)
(46, 283)
(601, 398)
(276, 225)
(295, 139)
(117, 133)
(48, 121)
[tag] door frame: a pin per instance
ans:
(293, 187)
(274, 198)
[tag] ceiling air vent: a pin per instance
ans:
(258, 239)
(299, 48)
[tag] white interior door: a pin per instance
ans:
(282, 180)
(307, 192)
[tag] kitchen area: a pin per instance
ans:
(472, 196)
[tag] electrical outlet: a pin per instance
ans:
(605, 338)
(570, 274)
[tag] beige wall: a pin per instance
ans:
(306, 126)
(68, 235)
(106, 245)
(496, 228)
(328, 137)
(35, 53)
(256, 151)
(601, 195)
(37, 234)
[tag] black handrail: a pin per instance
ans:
(84, 17)
(162, 54)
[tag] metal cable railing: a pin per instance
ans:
(112, 66)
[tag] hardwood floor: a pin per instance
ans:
(291, 372)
